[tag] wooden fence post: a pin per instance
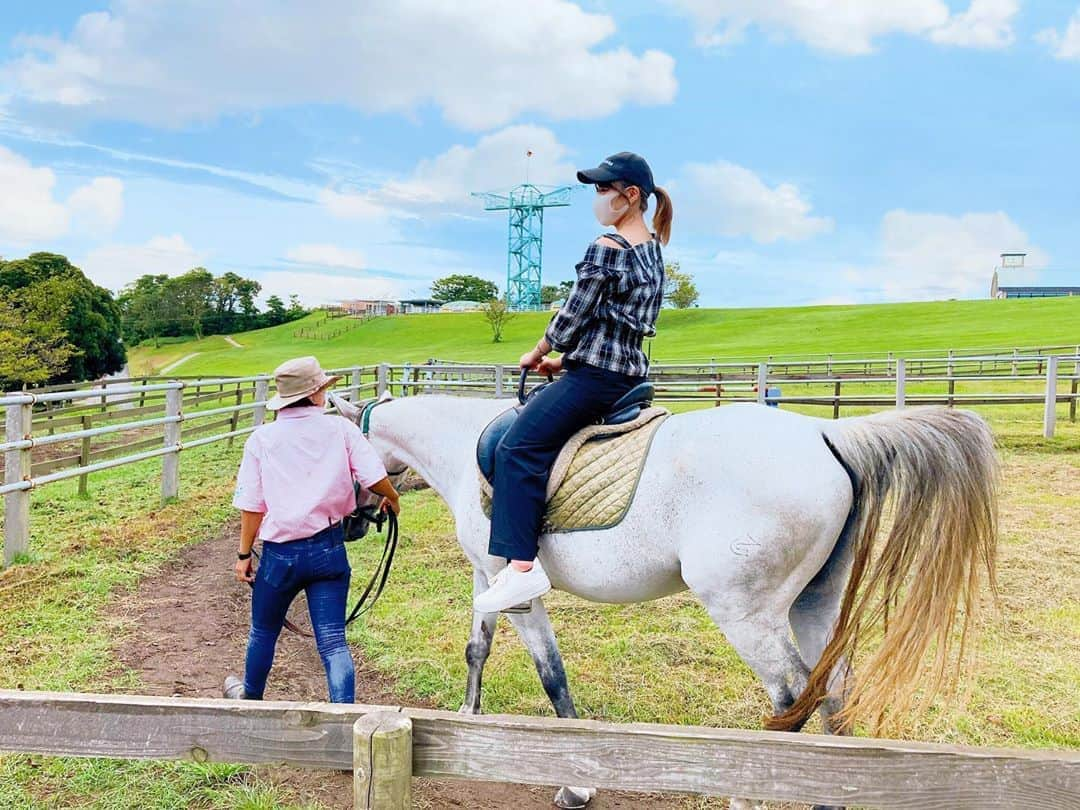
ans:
(235, 420)
(836, 400)
(382, 379)
(1016, 362)
(901, 381)
(170, 466)
(382, 761)
(406, 370)
(354, 386)
(84, 454)
(762, 382)
(1050, 409)
(498, 381)
(262, 393)
(18, 425)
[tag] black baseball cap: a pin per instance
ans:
(624, 166)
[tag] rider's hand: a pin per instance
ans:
(243, 571)
(530, 360)
(386, 504)
(550, 365)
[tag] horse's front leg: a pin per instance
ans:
(535, 631)
(478, 648)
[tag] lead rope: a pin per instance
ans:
(380, 575)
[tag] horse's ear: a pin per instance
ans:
(385, 396)
(345, 408)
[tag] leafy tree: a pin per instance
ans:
(232, 303)
(463, 288)
(275, 311)
(145, 310)
(91, 317)
(296, 309)
(189, 297)
(550, 293)
(34, 347)
(679, 288)
(497, 314)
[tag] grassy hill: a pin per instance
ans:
(697, 334)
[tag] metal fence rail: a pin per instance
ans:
(186, 408)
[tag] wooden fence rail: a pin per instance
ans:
(387, 745)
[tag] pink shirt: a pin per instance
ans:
(299, 471)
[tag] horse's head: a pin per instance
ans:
(396, 468)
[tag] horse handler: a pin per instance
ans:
(294, 487)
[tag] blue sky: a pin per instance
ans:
(824, 151)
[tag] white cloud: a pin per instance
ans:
(115, 265)
(496, 161)
(986, 24)
(1064, 46)
(316, 289)
(731, 200)
(483, 62)
(100, 203)
(325, 255)
(30, 212)
(848, 27)
(933, 256)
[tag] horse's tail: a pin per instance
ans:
(938, 470)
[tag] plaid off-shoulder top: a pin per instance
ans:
(612, 307)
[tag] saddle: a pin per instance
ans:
(594, 478)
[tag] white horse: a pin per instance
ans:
(769, 518)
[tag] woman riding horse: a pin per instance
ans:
(599, 330)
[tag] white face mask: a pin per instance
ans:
(604, 208)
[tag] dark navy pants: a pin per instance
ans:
(524, 457)
(319, 567)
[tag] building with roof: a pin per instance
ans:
(1015, 262)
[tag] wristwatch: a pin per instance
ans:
(240, 556)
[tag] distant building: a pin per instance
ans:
(412, 306)
(367, 307)
(461, 306)
(1015, 261)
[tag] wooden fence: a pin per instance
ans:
(385, 746)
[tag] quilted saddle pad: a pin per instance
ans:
(596, 474)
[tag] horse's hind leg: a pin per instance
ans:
(813, 617)
(478, 649)
(535, 631)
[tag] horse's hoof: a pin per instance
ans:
(467, 709)
(573, 798)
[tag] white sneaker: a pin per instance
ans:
(511, 587)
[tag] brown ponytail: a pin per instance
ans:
(661, 221)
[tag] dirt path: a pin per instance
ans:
(177, 363)
(232, 342)
(190, 630)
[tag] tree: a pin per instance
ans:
(144, 311)
(275, 311)
(189, 297)
(463, 288)
(296, 309)
(679, 288)
(34, 347)
(550, 293)
(91, 320)
(497, 314)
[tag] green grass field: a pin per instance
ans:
(696, 334)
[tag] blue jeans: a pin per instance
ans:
(525, 454)
(319, 567)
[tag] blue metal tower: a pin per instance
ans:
(526, 205)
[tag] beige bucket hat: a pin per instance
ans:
(298, 378)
